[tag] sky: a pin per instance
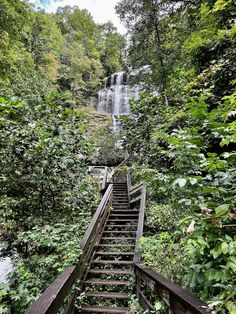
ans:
(101, 10)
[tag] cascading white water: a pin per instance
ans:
(114, 97)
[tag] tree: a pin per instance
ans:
(112, 48)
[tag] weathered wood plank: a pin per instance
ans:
(52, 298)
(144, 301)
(140, 224)
(98, 213)
(184, 298)
(136, 189)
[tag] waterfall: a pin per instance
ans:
(115, 95)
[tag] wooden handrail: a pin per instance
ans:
(98, 212)
(135, 189)
(177, 299)
(53, 297)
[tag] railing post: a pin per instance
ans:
(140, 224)
(104, 181)
(177, 299)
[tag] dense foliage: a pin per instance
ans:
(183, 137)
(47, 196)
(66, 51)
(184, 141)
(50, 64)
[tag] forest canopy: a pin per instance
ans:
(65, 52)
(181, 133)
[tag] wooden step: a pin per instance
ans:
(122, 220)
(119, 226)
(120, 186)
(123, 216)
(123, 207)
(110, 271)
(102, 282)
(101, 309)
(125, 231)
(114, 253)
(116, 245)
(114, 262)
(120, 193)
(118, 238)
(120, 206)
(121, 197)
(107, 295)
(125, 211)
(114, 202)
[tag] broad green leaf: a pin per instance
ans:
(193, 181)
(216, 251)
(224, 247)
(180, 181)
(222, 210)
(158, 306)
(231, 307)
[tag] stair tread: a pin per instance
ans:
(117, 262)
(125, 210)
(122, 215)
(110, 271)
(119, 231)
(116, 245)
(107, 282)
(120, 226)
(118, 238)
(120, 197)
(101, 309)
(114, 253)
(120, 191)
(116, 220)
(105, 294)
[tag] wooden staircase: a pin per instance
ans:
(109, 278)
(109, 269)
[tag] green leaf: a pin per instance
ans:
(222, 210)
(158, 306)
(231, 307)
(193, 181)
(180, 181)
(216, 251)
(224, 247)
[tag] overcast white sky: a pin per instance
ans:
(101, 10)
